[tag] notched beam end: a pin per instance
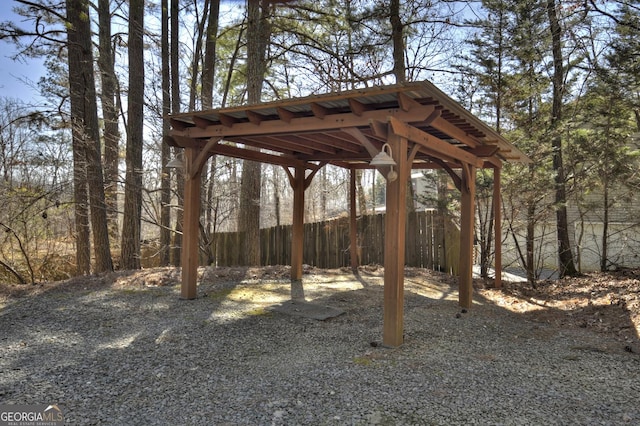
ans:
(319, 111)
(485, 151)
(254, 117)
(202, 123)
(169, 140)
(285, 115)
(379, 128)
(358, 108)
(179, 125)
(406, 103)
(227, 120)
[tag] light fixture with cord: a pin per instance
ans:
(385, 158)
(175, 163)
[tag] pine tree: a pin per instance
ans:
(130, 255)
(86, 137)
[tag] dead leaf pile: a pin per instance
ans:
(605, 302)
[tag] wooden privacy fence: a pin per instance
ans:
(432, 241)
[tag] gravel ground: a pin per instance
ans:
(124, 350)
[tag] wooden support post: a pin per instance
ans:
(468, 190)
(497, 214)
(353, 223)
(297, 240)
(191, 230)
(394, 250)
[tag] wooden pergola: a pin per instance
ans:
(423, 127)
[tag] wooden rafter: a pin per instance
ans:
(406, 103)
(358, 108)
(227, 120)
(432, 143)
(254, 117)
(454, 131)
(178, 125)
(279, 143)
(246, 154)
(332, 140)
(285, 115)
(319, 111)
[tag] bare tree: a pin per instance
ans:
(565, 254)
(165, 179)
(174, 48)
(130, 256)
(108, 98)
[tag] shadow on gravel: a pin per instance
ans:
(124, 349)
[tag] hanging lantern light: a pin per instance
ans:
(175, 163)
(385, 158)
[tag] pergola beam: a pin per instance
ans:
(455, 132)
(245, 154)
(432, 143)
(302, 125)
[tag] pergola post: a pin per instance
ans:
(190, 230)
(468, 190)
(497, 215)
(353, 224)
(297, 181)
(394, 245)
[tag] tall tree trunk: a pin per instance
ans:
(130, 256)
(208, 77)
(258, 34)
(565, 255)
(605, 226)
(165, 180)
(400, 73)
(209, 65)
(86, 134)
(197, 55)
(80, 198)
(397, 37)
(175, 108)
(110, 115)
(80, 189)
(530, 264)
(361, 196)
(324, 189)
(276, 196)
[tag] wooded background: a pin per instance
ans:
(82, 167)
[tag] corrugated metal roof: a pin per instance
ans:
(243, 124)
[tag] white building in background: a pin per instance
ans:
(585, 230)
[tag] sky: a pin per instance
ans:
(15, 75)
